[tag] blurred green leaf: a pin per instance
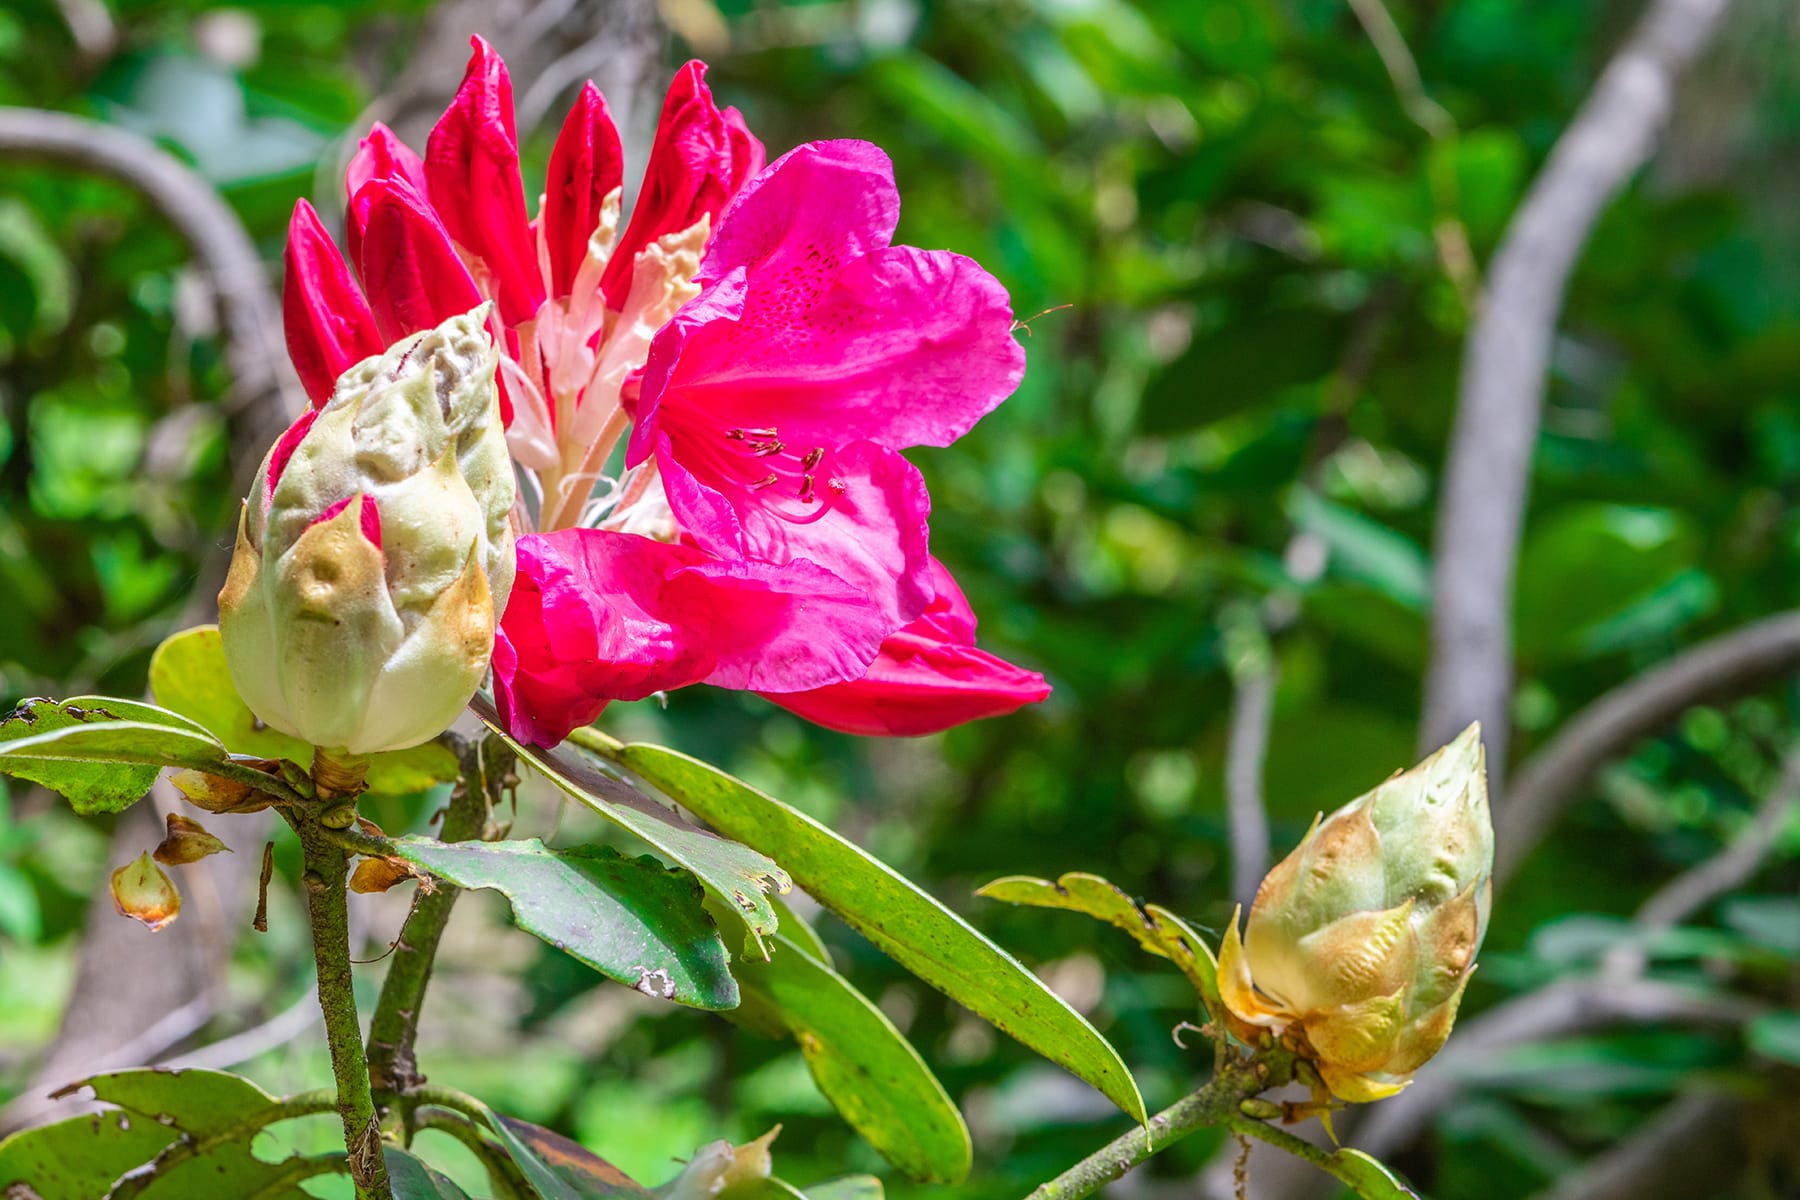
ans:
(1586, 564)
(411, 1179)
(1776, 1035)
(1371, 1179)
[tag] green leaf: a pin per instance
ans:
(1156, 929)
(1776, 1035)
(862, 1064)
(1369, 1178)
(82, 1158)
(734, 875)
(413, 1180)
(914, 929)
(1585, 566)
(100, 754)
(631, 919)
(189, 675)
(1365, 550)
(192, 1101)
(590, 1176)
(78, 1159)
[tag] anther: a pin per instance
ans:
(812, 458)
(764, 449)
(806, 489)
(767, 481)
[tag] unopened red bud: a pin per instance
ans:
(144, 892)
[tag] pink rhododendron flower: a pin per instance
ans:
(760, 348)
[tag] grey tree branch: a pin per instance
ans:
(265, 393)
(1733, 664)
(1252, 703)
(1676, 1155)
(1488, 470)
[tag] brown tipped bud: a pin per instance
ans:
(1361, 941)
(380, 874)
(187, 842)
(217, 795)
(144, 892)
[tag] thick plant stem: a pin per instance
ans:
(393, 1066)
(327, 873)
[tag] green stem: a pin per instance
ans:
(326, 875)
(393, 1030)
(509, 1182)
(1219, 1103)
(304, 1104)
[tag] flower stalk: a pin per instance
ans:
(393, 1068)
(325, 878)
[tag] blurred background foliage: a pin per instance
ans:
(1254, 258)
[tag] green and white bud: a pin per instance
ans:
(1360, 942)
(375, 551)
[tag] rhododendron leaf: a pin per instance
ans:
(591, 1177)
(908, 924)
(633, 920)
(734, 875)
(1156, 929)
(103, 753)
(188, 674)
(81, 1158)
(1369, 1178)
(861, 1063)
(411, 1179)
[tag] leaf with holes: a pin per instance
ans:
(884, 906)
(1155, 928)
(631, 919)
(734, 875)
(862, 1064)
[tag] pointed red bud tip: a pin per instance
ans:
(144, 892)
(369, 517)
(585, 166)
(697, 162)
(380, 156)
(472, 172)
(283, 450)
(186, 842)
(328, 323)
(410, 269)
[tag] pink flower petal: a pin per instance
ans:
(597, 616)
(328, 323)
(928, 677)
(586, 165)
(472, 172)
(860, 512)
(810, 324)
